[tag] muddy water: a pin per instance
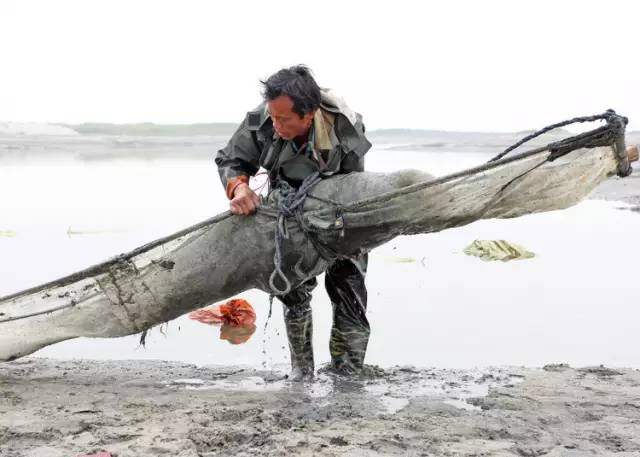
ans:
(430, 305)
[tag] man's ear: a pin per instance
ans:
(308, 117)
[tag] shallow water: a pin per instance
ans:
(429, 304)
(392, 391)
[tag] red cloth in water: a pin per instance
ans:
(236, 312)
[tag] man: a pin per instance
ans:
(300, 129)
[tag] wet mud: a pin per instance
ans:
(132, 408)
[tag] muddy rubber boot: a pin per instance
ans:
(350, 333)
(348, 344)
(299, 325)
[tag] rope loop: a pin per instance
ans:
(614, 121)
(290, 205)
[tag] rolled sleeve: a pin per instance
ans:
(239, 158)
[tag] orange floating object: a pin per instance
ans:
(236, 312)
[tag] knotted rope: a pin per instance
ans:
(290, 205)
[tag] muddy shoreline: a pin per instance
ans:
(132, 408)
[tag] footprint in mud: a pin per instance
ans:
(10, 399)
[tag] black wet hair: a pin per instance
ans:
(297, 83)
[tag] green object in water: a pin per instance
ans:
(497, 250)
(7, 233)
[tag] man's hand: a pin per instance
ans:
(245, 201)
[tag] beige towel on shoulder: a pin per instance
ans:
(325, 139)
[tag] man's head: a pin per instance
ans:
(293, 97)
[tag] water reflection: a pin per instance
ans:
(237, 334)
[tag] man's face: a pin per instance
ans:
(286, 122)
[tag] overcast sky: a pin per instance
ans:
(455, 65)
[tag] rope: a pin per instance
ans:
(610, 116)
(290, 205)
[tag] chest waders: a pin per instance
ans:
(344, 283)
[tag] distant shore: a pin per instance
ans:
(625, 190)
(100, 142)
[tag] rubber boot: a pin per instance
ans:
(350, 332)
(299, 325)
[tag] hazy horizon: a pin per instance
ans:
(457, 66)
(227, 128)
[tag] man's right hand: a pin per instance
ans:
(245, 201)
